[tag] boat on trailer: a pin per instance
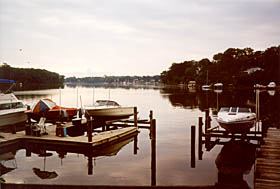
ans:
(236, 119)
(106, 110)
(11, 109)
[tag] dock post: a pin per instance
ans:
(153, 154)
(135, 117)
(89, 129)
(90, 165)
(192, 146)
(200, 123)
(151, 115)
(135, 145)
(207, 120)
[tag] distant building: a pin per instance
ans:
(252, 70)
(192, 84)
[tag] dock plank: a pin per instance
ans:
(267, 173)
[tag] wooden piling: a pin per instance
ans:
(153, 129)
(135, 145)
(207, 120)
(90, 165)
(153, 154)
(135, 116)
(89, 129)
(192, 146)
(151, 115)
(200, 123)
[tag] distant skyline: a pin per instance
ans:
(130, 37)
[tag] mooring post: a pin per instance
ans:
(135, 145)
(207, 120)
(90, 165)
(153, 129)
(89, 129)
(200, 123)
(135, 117)
(151, 115)
(192, 146)
(153, 154)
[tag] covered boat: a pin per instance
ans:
(236, 119)
(52, 113)
(105, 110)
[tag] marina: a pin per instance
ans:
(188, 135)
(139, 94)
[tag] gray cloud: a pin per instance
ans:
(131, 36)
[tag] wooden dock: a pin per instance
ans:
(75, 144)
(267, 173)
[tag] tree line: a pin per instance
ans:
(30, 78)
(236, 67)
(112, 79)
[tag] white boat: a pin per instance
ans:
(105, 110)
(205, 87)
(11, 110)
(236, 119)
(218, 85)
(271, 85)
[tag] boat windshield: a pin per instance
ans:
(106, 103)
(244, 110)
(13, 105)
(224, 109)
(233, 109)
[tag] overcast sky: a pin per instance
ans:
(130, 37)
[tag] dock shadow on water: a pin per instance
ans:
(167, 158)
(235, 159)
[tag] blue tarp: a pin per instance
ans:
(6, 81)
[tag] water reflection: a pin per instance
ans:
(235, 159)
(169, 167)
(46, 151)
(269, 101)
(7, 162)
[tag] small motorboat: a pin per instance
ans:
(106, 110)
(11, 109)
(236, 119)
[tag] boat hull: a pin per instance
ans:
(110, 113)
(237, 126)
(12, 119)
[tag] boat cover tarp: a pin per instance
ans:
(6, 81)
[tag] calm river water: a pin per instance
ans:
(175, 110)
